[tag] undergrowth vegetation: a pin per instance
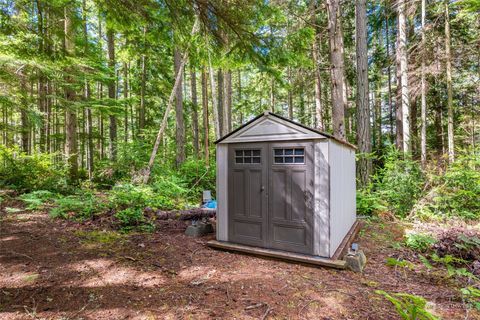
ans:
(453, 255)
(42, 185)
(402, 188)
(27, 173)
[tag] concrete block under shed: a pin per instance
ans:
(356, 261)
(199, 229)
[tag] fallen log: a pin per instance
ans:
(191, 214)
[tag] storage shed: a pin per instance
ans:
(284, 186)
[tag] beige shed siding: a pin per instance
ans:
(222, 192)
(342, 192)
(321, 241)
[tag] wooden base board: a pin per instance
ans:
(283, 255)
(347, 241)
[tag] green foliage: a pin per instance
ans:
(409, 307)
(164, 194)
(197, 176)
(451, 263)
(395, 187)
(454, 194)
(471, 296)
(393, 262)
(132, 157)
(369, 203)
(425, 262)
(79, 206)
(24, 172)
(36, 200)
(133, 219)
(419, 242)
(399, 183)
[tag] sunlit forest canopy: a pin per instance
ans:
(92, 87)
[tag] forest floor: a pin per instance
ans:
(57, 269)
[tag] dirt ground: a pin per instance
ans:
(55, 269)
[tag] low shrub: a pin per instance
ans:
(197, 177)
(419, 242)
(408, 306)
(399, 183)
(79, 206)
(471, 296)
(27, 173)
(164, 194)
(369, 203)
(453, 194)
(36, 200)
(396, 187)
(133, 219)
(459, 243)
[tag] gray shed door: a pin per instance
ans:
(271, 195)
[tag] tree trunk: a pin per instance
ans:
(143, 81)
(363, 106)
(205, 114)
(290, 94)
(89, 123)
(318, 85)
(272, 94)
(125, 97)
(71, 144)
(228, 99)
(239, 92)
(163, 125)
(180, 126)
(389, 72)
(378, 117)
(448, 62)
(193, 82)
(215, 108)
(423, 135)
(25, 135)
(42, 81)
(337, 68)
(414, 127)
(403, 90)
(222, 117)
(112, 93)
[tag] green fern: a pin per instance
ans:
(409, 307)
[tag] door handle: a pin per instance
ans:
(262, 188)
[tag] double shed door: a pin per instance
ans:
(271, 195)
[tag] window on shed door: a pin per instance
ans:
(247, 156)
(289, 155)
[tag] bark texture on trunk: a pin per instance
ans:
(389, 72)
(337, 68)
(363, 107)
(125, 97)
(448, 62)
(228, 99)
(193, 83)
(112, 95)
(215, 107)
(423, 134)
(71, 143)
(403, 104)
(205, 114)
(180, 122)
(143, 81)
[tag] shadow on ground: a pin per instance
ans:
(57, 269)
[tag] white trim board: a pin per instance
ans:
(270, 128)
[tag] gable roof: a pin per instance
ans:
(269, 126)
